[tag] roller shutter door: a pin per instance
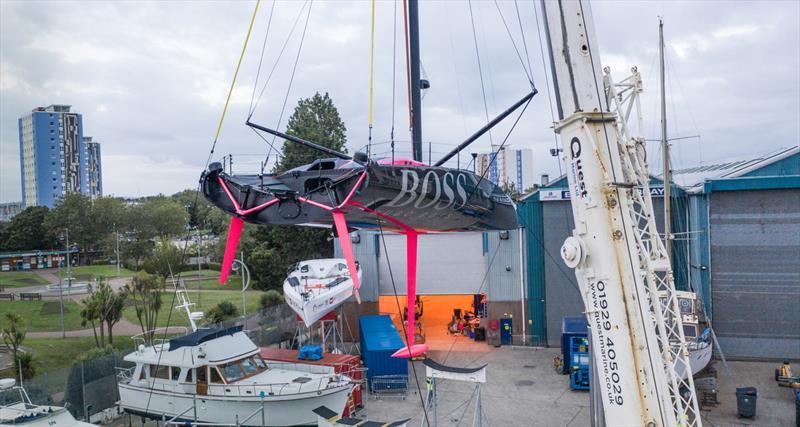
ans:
(755, 272)
(447, 264)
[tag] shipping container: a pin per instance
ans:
(379, 340)
(345, 364)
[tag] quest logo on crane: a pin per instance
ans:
(577, 168)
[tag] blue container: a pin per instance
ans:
(571, 326)
(505, 331)
(379, 340)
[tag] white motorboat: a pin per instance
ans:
(315, 287)
(217, 376)
(696, 332)
(24, 413)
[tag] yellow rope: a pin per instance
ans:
(236, 74)
(371, 63)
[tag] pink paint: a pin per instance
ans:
(411, 270)
(411, 351)
(234, 232)
(400, 161)
(347, 248)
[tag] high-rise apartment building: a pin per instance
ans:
(507, 166)
(54, 160)
(94, 168)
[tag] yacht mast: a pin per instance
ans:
(416, 96)
(665, 144)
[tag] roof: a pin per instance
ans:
(206, 346)
(693, 178)
(200, 336)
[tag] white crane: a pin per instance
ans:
(619, 258)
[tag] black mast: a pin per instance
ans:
(416, 104)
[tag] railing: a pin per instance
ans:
(249, 390)
(158, 337)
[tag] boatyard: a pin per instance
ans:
(422, 214)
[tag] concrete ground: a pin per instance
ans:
(523, 389)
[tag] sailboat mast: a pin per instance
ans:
(416, 101)
(665, 145)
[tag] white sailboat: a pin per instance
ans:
(24, 413)
(315, 287)
(217, 376)
(696, 331)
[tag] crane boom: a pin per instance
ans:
(620, 262)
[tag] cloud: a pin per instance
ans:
(151, 78)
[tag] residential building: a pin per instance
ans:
(507, 166)
(94, 168)
(54, 159)
(8, 210)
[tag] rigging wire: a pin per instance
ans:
(513, 43)
(371, 78)
(197, 192)
(524, 43)
(261, 59)
(480, 69)
(233, 82)
(280, 54)
(294, 68)
(547, 84)
(402, 323)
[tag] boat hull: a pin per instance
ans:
(699, 357)
(295, 409)
(315, 308)
(420, 197)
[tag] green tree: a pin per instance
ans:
(314, 119)
(270, 298)
(221, 312)
(166, 260)
(104, 307)
(27, 230)
(145, 293)
(13, 333)
(270, 250)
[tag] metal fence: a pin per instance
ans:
(89, 388)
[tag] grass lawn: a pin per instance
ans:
(233, 284)
(203, 300)
(105, 271)
(17, 279)
(44, 315)
(53, 354)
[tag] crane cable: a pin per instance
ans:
(233, 82)
(371, 78)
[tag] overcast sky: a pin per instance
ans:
(150, 78)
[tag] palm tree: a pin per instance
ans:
(13, 334)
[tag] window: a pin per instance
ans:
(176, 372)
(232, 371)
(159, 372)
(214, 375)
(249, 367)
(189, 375)
(689, 331)
(143, 373)
(260, 362)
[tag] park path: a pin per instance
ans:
(123, 328)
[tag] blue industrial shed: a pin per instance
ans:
(744, 231)
(546, 216)
(737, 244)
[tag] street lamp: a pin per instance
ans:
(245, 283)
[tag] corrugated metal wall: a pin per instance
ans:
(503, 277)
(530, 217)
(366, 253)
(755, 272)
